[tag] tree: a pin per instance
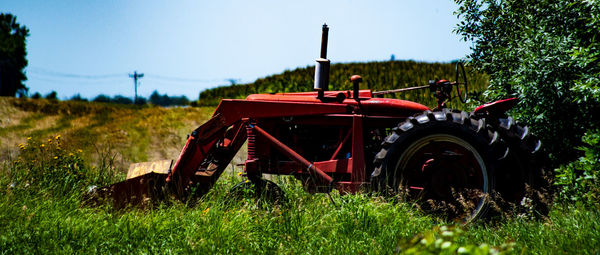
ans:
(544, 52)
(157, 99)
(12, 56)
(77, 97)
(102, 98)
(118, 99)
(165, 100)
(52, 95)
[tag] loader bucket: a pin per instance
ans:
(159, 167)
(144, 185)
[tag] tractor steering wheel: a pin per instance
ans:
(461, 80)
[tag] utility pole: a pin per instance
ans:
(135, 77)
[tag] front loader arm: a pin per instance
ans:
(206, 154)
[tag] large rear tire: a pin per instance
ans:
(443, 160)
(524, 178)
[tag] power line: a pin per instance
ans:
(43, 71)
(179, 79)
(52, 73)
(49, 78)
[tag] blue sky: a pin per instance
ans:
(90, 46)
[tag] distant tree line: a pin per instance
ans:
(164, 100)
(154, 99)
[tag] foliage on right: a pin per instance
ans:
(544, 52)
(579, 181)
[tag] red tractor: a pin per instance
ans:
(352, 141)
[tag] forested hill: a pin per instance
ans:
(376, 76)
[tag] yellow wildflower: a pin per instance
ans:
(79, 150)
(43, 145)
(57, 137)
(55, 157)
(49, 140)
(29, 138)
(239, 174)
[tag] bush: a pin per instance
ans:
(579, 181)
(546, 54)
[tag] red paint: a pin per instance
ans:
(496, 107)
(358, 153)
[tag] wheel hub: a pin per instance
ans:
(443, 176)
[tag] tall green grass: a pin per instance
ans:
(41, 212)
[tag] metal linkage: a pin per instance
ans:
(292, 154)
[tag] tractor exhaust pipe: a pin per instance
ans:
(322, 66)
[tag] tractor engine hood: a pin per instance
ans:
(369, 105)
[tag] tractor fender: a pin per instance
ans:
(496, 107)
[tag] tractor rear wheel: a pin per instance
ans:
(522, 178)
(443, 160)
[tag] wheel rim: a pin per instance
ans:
(440, 166)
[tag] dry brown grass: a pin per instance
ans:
(118, 134)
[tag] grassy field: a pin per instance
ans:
(52, 151)
(117, 134)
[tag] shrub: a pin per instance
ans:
(545, 53)
(579, 181)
